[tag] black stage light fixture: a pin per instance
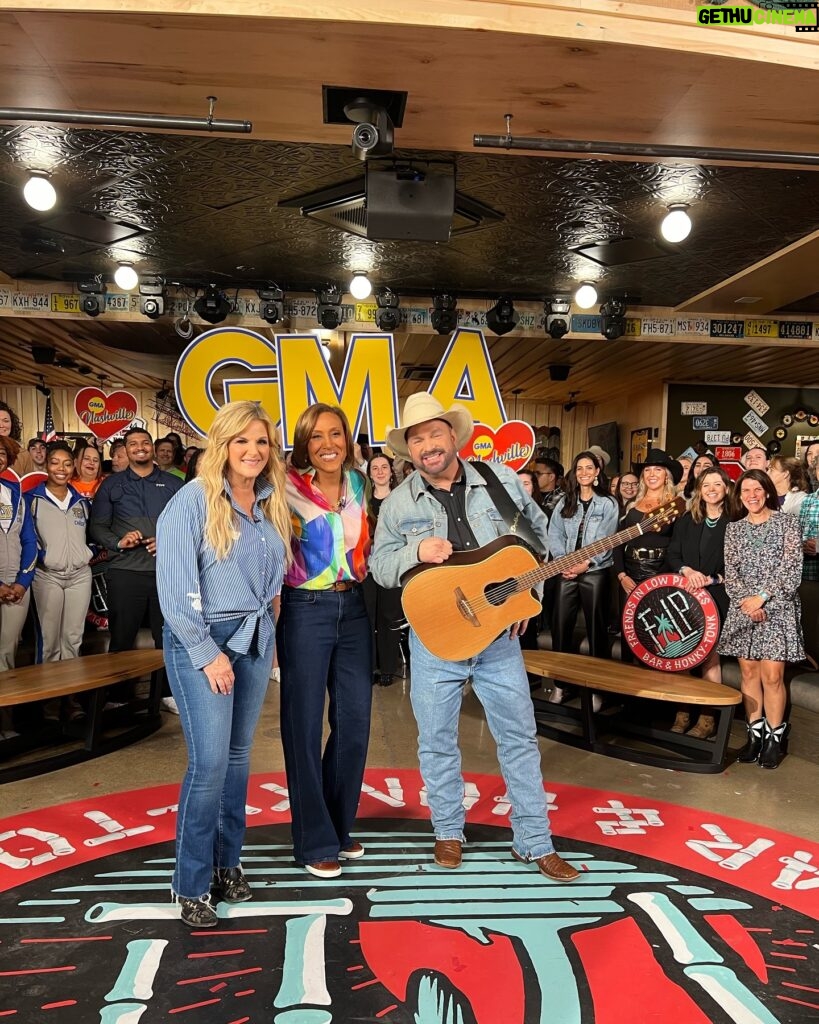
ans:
(444, 316)
(502, 317)
(571, 404)
(271, 305)
(613, 319)
(556, 317)
(329, 313)
(92, 301)
(213, 306)
(151, 299)
(559, 371)
(388, 315)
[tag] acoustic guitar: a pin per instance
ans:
(459, 607)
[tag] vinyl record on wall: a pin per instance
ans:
(787, 420)
(773, 448)
(736, 438)
(780, 433)
(800, 415)
(813, 420)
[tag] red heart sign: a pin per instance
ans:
(105, 415)
(513, 444)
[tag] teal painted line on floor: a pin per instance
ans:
(717, 904)
(488, 911)
(46, 903)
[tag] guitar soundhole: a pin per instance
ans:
(497, 593)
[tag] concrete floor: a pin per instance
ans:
(783, 799)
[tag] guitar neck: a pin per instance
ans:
(559, 565)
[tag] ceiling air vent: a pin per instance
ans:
(424, 372)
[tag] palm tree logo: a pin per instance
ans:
(665, 627)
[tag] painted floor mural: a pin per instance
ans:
(679, 915)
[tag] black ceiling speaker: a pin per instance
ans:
(43, 354)
(413, 201)
(559, 371)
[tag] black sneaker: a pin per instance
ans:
(231, 885)
(197, 913)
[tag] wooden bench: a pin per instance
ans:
(599, 732)
(80, 675)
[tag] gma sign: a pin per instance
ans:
(291, 373)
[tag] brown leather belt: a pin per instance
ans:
(344, 585)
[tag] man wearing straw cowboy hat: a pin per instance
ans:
(447, 506)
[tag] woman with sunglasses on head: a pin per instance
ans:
(697, 552)
(325, 643)
(763, 630)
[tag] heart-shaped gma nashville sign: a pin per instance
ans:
(513, 443)
(105, 415)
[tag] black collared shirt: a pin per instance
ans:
(459, 534)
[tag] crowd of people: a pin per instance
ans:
(236, 555)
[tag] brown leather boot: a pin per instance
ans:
(681, 722)
(448, 853)
(705, 728)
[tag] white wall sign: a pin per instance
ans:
(758, 425)
(757, 403)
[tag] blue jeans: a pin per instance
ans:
(218, 729)
(325, 644)
(500, 684)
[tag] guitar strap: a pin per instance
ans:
(517, 522)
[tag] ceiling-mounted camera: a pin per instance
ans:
(374, 133)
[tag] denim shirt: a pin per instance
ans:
(410, 514)
(600, 522)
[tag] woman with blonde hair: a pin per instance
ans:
(223, 543)
(325, 642)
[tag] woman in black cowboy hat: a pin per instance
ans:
(644, 556)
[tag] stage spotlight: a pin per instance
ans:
(329, 313)
(213, 306)
(556, 317)
(613, 319)
(571, 404)
(444, 316)
(125, 277)
(38, 191)
(388, 315)
(360, 287)
(676, 225)
(502, 317)
(92, 301)
(151, 299)
(586, 296)
(271, 309)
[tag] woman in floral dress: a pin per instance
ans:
(763, 570)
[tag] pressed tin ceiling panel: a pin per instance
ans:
(207, 210)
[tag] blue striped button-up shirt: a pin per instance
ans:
(195, 588)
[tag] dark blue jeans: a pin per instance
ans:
(218, 729)
(324, 645)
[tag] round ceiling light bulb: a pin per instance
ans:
(586, 296)
(676, 225)
(39, 193)
(360, 286)
(125, 277)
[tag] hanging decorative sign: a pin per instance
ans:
(667, 627)
(512, 444)
(105, 414)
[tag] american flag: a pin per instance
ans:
(48, 432)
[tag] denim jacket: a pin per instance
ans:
(600, 522)
(410, 514)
